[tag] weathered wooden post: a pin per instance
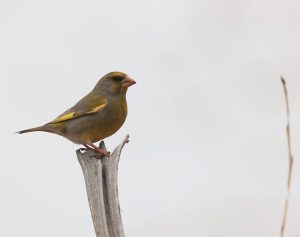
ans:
(101, 180)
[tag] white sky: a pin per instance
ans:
(208, 154)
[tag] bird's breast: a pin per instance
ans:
(110, 120)
(97, 126)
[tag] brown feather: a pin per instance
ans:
(96, 116)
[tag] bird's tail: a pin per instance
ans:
(41, 128)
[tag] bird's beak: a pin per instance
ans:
(127, 82)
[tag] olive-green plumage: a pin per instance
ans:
(97, 115)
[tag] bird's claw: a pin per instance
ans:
(103, 152)
(107, 153)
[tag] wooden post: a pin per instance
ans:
(101, 180)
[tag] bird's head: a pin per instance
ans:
(114, 83)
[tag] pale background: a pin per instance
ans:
(208, 154)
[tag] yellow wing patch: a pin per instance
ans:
(64, 117)
(97, 108)
(75, 114)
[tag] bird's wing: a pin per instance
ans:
(88, 105)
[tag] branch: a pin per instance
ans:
(290, 159)
(101, 176)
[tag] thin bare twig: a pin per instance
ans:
(290, 160)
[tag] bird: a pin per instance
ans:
(98, 115)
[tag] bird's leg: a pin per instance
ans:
(87, 147)
(103, 152)
(93, 147)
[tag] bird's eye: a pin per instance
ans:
(118, 79)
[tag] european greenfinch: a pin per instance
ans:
(96, 116)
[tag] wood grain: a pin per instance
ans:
(101, 180)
